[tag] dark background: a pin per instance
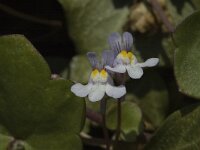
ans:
(50, 40)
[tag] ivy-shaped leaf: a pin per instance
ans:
(179, 132)
(187, 54)
(179, 9)
(90, 22)
(36, 110)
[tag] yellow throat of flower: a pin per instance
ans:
(94, 73)
(99, 75)
(103, 73)
(126, 55)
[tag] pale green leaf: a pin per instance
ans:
(89, 22)
(179, 132)
(32, 105)
(187, 54)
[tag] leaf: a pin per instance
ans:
(187, 54)
(4, 141)
(131, 119)
(89, 25)
(180, 9)
(151, 94)
(196, 3)
(33, 107)
(179, 132)
(56, 141)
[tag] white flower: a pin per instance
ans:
(100, 81)
(124, 58)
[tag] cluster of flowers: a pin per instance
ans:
(120, 59)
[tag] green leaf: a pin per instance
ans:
(151, 94)
(196, 3)
(89, 25)
(179, 132)
(187, 54)
(131, 119)
(34, 107)
(179, 9)
(55, 141)
(5, 140)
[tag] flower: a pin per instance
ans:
(125, 60)
(100, 82)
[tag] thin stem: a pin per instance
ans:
(121, 81)
(159, 11)
(118, 129)
(27, 17)
(105, 131)
(93, 116)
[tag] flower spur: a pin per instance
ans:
(125, 60)
(100, 81)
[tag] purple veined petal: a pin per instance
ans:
(115, 42)
(127, 41)
(93, 59)
(108, 58)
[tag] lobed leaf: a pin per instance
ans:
(89, 25)
(179, 132)
(187, 54)
(35, 109)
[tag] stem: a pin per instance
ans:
(118, 129)
(121, 81)
(93, 116)
(159, 11)
(105, 131)
(13, 12)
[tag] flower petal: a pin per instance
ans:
(127, 40)
(149, 62)
(81, 90)
(97, 92)
(93, 59)
(115, 42)
(115, 92)
(108, 57)
(134, 71)
(118, 68)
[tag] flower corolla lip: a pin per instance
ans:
(100, 81)
(124, 59)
